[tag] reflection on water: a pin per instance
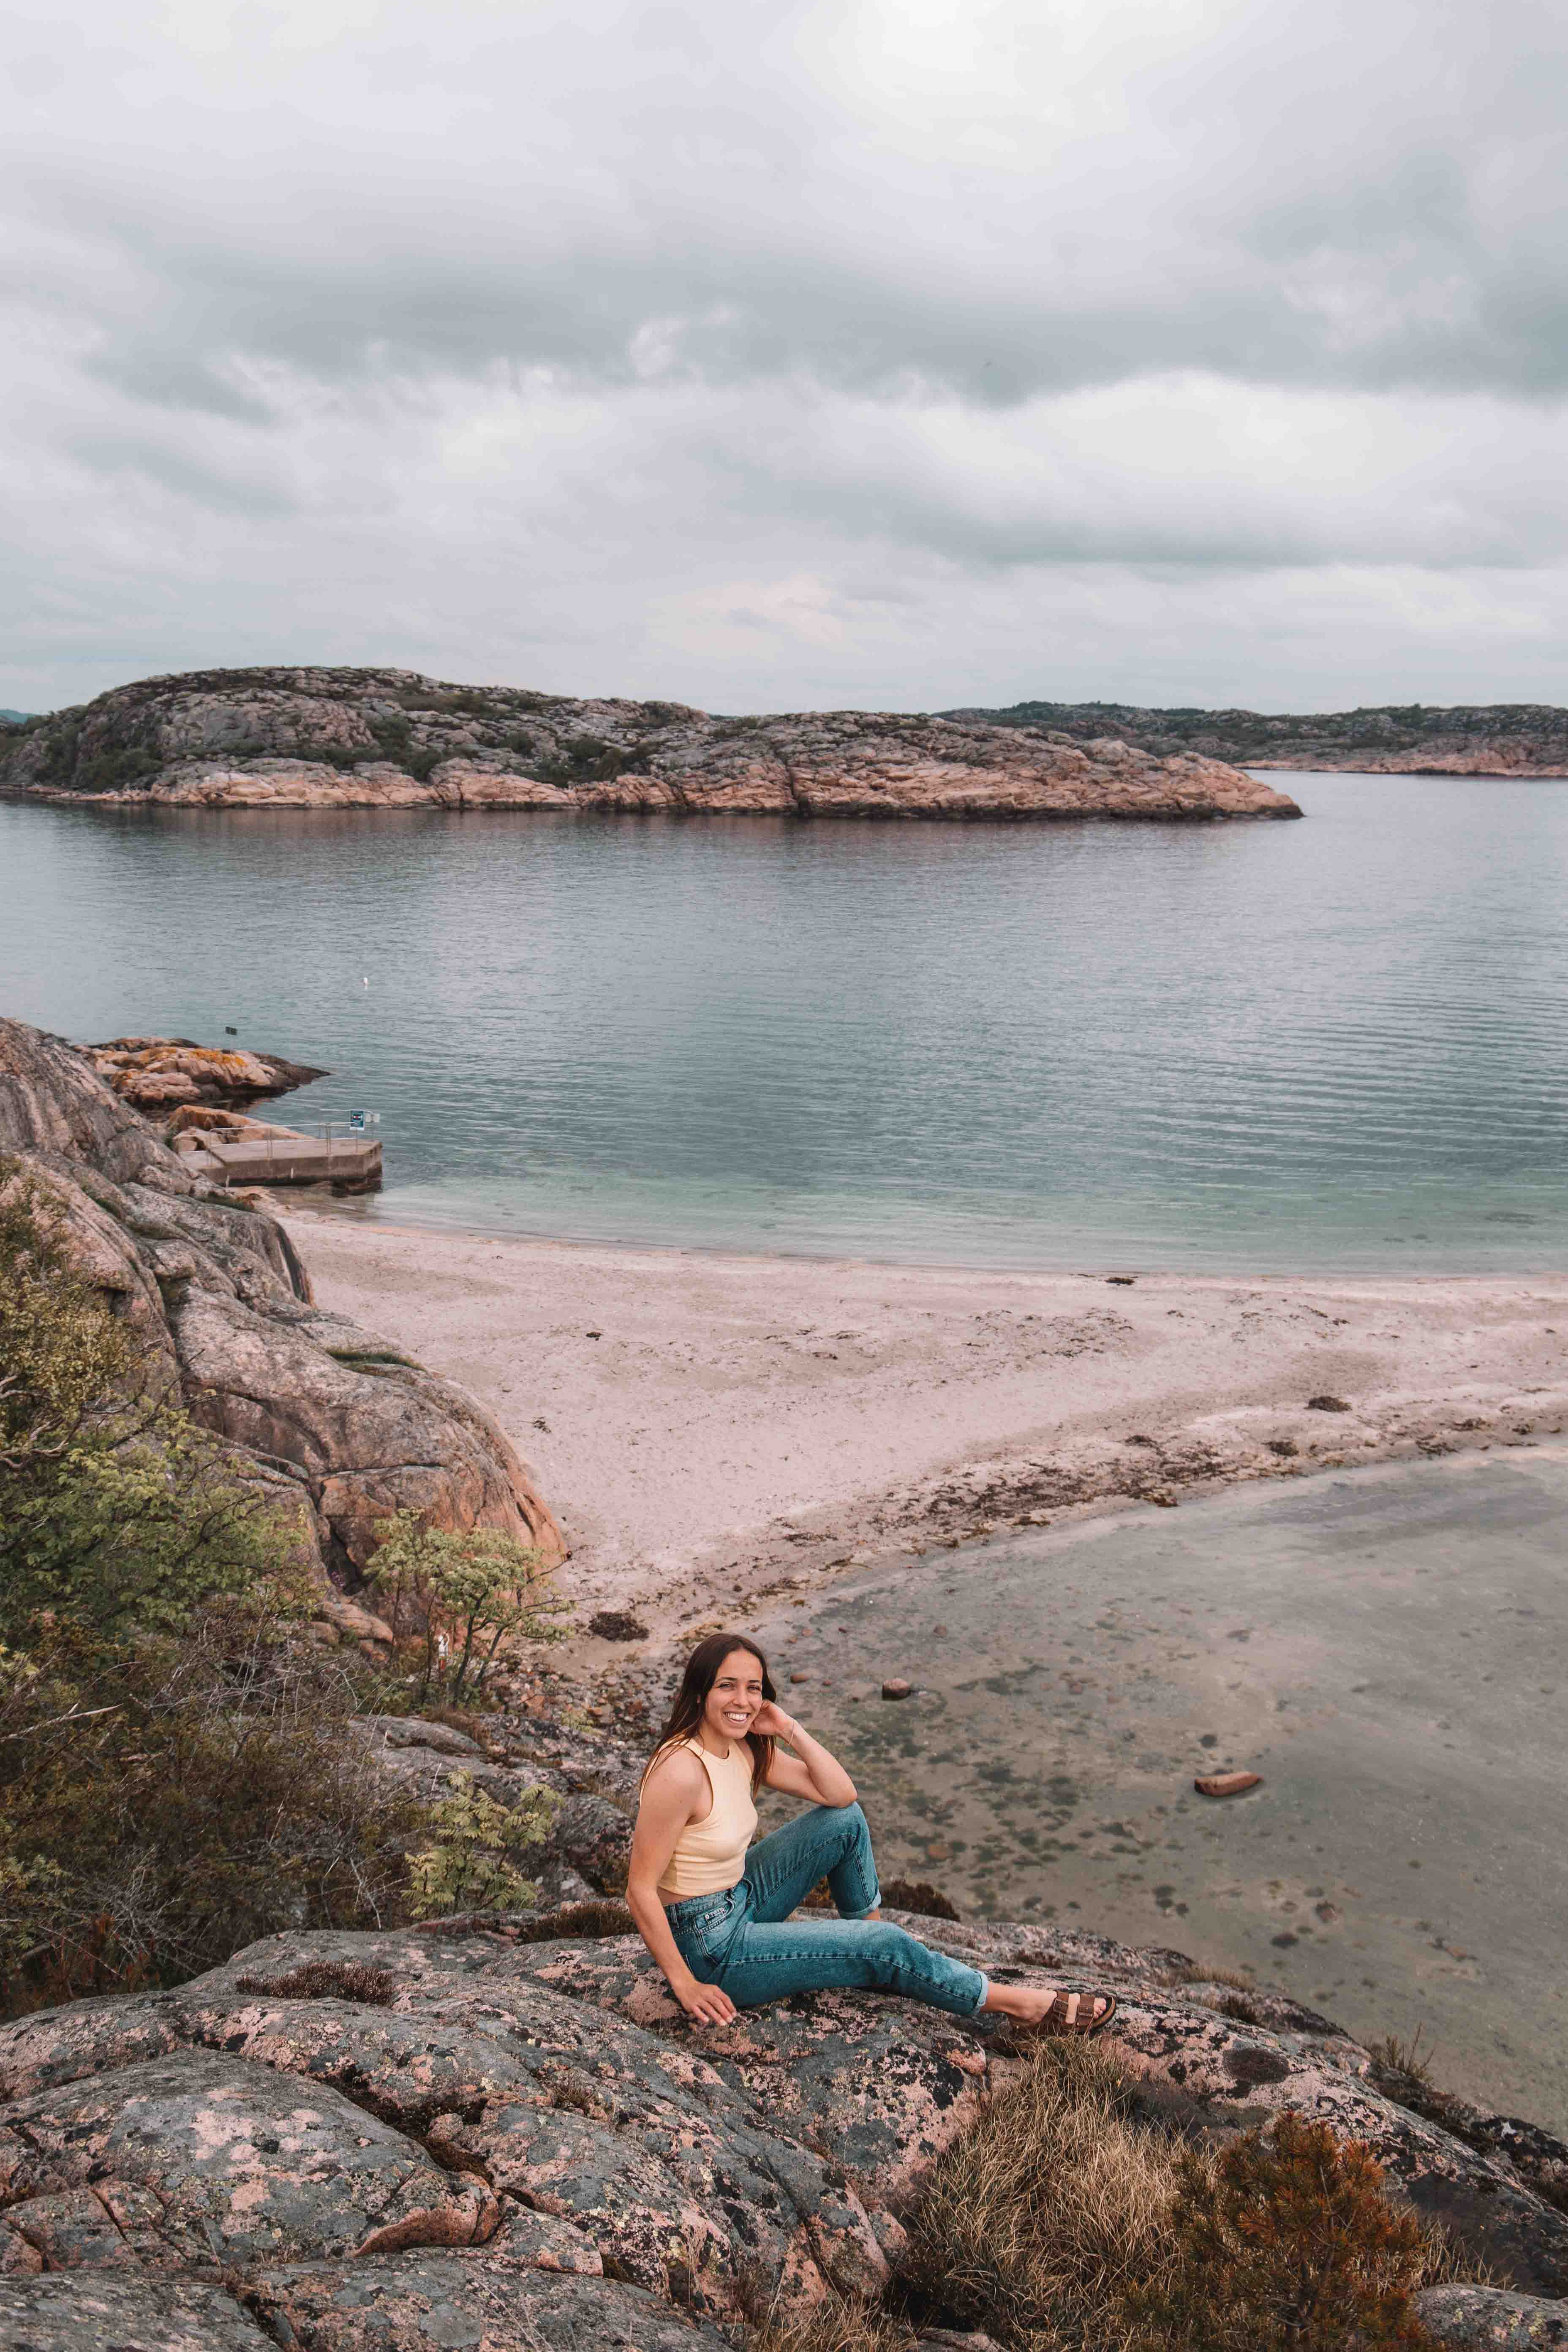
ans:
(1342, 1043)
(1388, 1648)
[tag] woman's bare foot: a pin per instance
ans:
(1034, 2005)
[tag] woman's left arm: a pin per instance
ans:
(811, 1772)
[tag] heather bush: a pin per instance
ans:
(1287, 2244)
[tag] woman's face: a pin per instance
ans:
(732, 1703)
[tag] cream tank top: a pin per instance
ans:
(710, 1856)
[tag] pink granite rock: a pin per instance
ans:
(217, 1295)
(390, 738)
(533, 2133)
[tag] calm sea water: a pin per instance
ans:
(1335, 1044)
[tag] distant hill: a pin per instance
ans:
(14, 718)
(390, 738)
(1502, 739)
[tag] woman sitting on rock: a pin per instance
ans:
(716, 1917)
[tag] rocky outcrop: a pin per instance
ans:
(171, 1073)
(589, 1832)
(390, 738)
(341, 1426)
(1510, 739)
(1490, 2319)
(458, 2136)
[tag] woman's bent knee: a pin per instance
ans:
(849, 1821)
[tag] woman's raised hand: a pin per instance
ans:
(705, 2003)
(771, 1722)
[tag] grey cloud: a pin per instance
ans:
(1336, 219)
(224, 491)
(700, 350)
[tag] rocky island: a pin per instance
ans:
(390, 738)
(1505, 738)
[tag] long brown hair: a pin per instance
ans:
(701, 1672)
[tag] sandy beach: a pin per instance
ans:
(702, 1424)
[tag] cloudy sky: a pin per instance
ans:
(761, 354)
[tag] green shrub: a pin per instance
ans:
(587, 759)
(459, 1597)
(475, 1844)
(395, 740)
(114, 1506)
(164, 1802)
(178, 1776)
(111, 766)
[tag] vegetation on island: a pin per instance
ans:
(1537, 731)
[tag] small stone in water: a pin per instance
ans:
(1227, 1784)
(895, 1687)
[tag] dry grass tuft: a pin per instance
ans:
(588, 1920)
(834, 2325)
(326, 1980)
(1195, 1972)
(1039, 2226)
(1407, 2059)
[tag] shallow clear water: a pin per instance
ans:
(1337, 1043)
(1387, 1647)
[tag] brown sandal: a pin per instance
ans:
(1073, 2012)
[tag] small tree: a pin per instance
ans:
(471, 1862)
(460, 1596)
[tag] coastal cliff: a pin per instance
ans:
(340, 1427)
(390, 738)
(1509, 739)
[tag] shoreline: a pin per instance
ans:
(315, 1202)
(712, 1426)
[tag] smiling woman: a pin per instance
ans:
(717, 1919)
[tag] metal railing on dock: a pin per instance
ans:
(332, 1151)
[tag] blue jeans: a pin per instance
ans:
(744, 1941)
